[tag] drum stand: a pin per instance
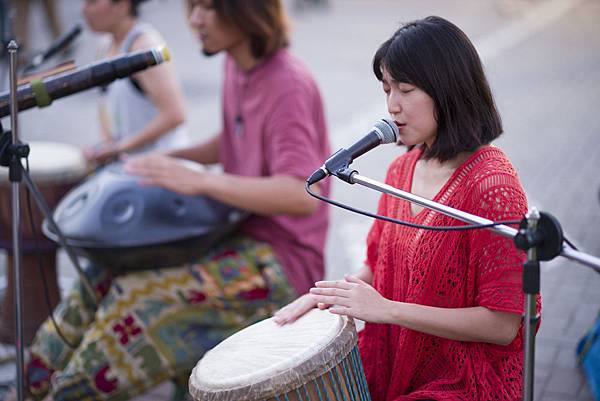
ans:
(539, 234)
(11, 153)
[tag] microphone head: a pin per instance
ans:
(388, 130)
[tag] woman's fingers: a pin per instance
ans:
(323, 306)
(330, 291)
(332, 300)
(334, 284)
(353, 279)
(294, 310)
(340, 310)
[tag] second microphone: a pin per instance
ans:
(41, 93)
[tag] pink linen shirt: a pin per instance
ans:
(274, 124)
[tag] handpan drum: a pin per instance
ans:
(315, 358)
(118, 223)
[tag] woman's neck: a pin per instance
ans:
(121, 30)
(449, 165)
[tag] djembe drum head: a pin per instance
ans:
(314, 358)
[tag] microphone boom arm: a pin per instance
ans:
(506, 231)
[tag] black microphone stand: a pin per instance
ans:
(58, 45)
(11, 153)
(539, 234)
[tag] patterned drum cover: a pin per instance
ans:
(315, 358)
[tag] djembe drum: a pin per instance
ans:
(315, 358)
(55, 168)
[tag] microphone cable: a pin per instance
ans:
(414, 225)
(406, 223)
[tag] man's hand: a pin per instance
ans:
(167, 172)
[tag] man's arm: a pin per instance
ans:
(205, 153)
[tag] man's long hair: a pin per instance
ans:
(265, 22)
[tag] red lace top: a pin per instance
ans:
(448, 269)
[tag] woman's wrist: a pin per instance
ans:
(121, 147)
(393, 312)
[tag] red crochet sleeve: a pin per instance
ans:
(498, 264)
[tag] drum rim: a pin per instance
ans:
(333, 352)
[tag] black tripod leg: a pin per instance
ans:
(43, 206)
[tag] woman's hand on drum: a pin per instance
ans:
(354, 298)
(102, 152)
(165, 171)
(291, 312)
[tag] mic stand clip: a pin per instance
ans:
(336, 164)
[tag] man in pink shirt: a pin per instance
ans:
(155, 325)
(273, 136)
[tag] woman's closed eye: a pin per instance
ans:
(406, 88)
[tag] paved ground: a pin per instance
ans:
(543, 61)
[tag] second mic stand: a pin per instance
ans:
(539, 234)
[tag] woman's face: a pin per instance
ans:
(412, 109)
(214, 34)
(102, 15)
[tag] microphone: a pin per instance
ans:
(384, 131)
(58, 45)
(41, 92)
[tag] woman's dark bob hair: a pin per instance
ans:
(263, 21)
(437, 57)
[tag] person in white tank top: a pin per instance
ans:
(146, 111)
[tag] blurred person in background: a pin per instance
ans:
(145, 112)
(442, 308)
(155, 325)
(23, 17)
